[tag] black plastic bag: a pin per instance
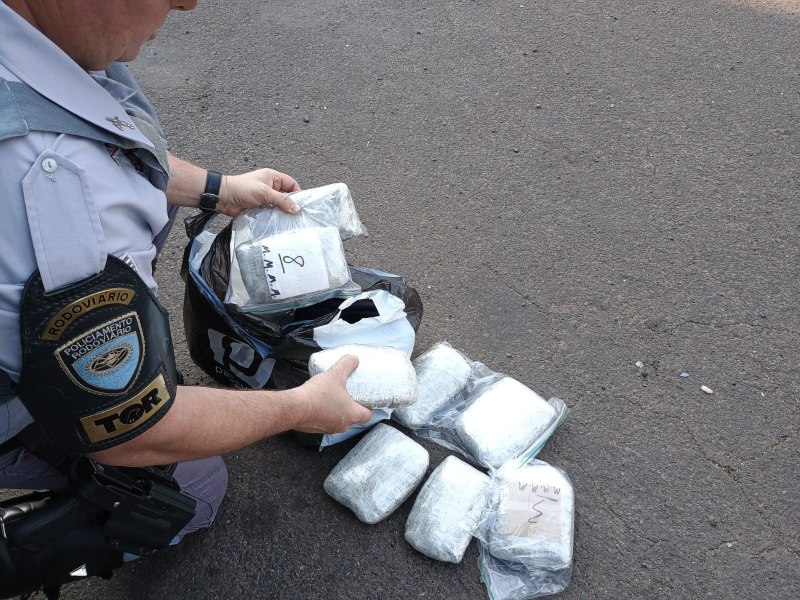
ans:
(248, 351)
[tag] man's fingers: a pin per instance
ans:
(287, 183)
(364, 415)
(345, 365)
(343, 368)
(283, 201)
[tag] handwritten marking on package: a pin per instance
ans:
(285, 260)
(294, 264)
(533, 510)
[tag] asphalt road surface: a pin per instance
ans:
(599, 199)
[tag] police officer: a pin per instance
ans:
(88, 187)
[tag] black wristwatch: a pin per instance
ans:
(210, 197)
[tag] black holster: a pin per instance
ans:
(58, 540)
(50, 538)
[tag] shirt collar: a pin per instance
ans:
(119, 91)
(38, 62)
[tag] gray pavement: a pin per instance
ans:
(574, 188)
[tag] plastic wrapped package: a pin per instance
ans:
(384, 378)
(534, 515)
(292, 264)
(502, 419)
(249, 351)
(378, 474)
(281, 261)
(527, 531)
(514, 581)
(442, 373)
(495, 419)
(290, 268)
(335, 205)
(449, 501)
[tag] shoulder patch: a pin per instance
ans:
(62, 318)
(98, 365)
(106, 358)
(126, 416)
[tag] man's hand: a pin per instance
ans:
(329, 407)
(264, 187)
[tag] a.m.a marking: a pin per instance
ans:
(126, 416)
(57, 325)
(271, 279)
(539, 488)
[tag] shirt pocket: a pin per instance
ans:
(65, 226)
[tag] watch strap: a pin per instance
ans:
(210, 197)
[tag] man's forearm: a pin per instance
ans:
(205, 422)
(256, 189)
(187, 183)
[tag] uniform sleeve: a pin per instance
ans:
(13, 418)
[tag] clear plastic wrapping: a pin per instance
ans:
(378, 474)
(448, 503)
(442, 374)
(514, 581)
(527, 531)
(503, 418)
(333, 204)
(281, 261)
(496, 420)
(533, 521)
(384, 378)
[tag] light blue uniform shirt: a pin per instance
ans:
(68, 201)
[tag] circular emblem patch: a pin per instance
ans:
(106, 357)
(110, 360)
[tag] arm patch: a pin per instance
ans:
(98, 366)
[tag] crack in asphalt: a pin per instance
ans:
(729, 470)
(651, 541)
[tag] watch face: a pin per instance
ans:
(209, 201)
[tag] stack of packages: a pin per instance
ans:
(267, 289)
(522, 511)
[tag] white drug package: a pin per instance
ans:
(384, 378)
(378, 474)
(534, 520)
(335, 203)
(292, 264)
(281, 261)
(451, 498)
(442, 373)
(503, 420)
